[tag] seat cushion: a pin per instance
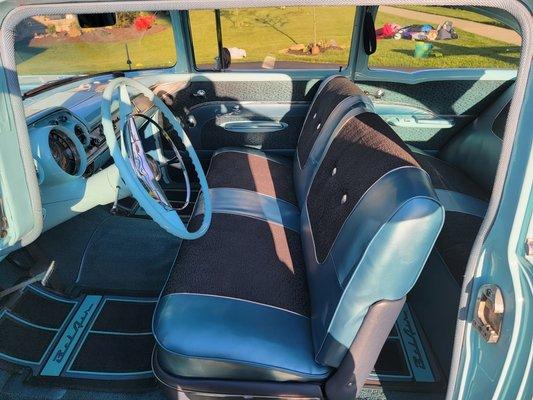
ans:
(252, 170)
(236, 305)
(456, 241)
(244, 258)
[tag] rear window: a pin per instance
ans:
(274, 37)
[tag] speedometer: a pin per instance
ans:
(64, 152)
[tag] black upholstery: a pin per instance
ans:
(243, 258)
(334, 92)
(256, 172)
(363, 151)
(456, 240)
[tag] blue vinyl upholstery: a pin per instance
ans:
(378, 255)
(261, 342)
(253, 205)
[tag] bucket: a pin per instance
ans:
(423, 49)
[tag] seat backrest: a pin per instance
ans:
(335, 96)
(369, 222)
(476, 150)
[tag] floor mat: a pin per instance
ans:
(405, 362)
(99, 340)
(97, 252)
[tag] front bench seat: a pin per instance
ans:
(265, 300)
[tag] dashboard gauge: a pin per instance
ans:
(64, 151)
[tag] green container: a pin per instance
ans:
(423, 49)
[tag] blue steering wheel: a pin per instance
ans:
(140, 172)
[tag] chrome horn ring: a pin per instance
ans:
(147, 169)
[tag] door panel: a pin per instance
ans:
(267, 126)
(428, 114)
(244, 109)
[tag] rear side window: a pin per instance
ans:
(274, 37)
(421, 37)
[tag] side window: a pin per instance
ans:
(421, 37)
(275, 37)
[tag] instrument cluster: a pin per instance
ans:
(64, 147)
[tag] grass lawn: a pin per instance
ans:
(455, 12)
(468, 51)
(263, 32)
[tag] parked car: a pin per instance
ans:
(295, 201)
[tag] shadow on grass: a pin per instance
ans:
(497, 53)
(25, 52)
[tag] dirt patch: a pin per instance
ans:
(95, 36)
(312, 49)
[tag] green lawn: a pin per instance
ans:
(455, 12)
(468, 51)
(263, 32)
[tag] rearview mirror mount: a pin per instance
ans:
(97, 20)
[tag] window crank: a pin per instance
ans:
(200, 94)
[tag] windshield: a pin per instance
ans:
(50, 47)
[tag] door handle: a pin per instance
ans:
(422, 121)
(253, 126)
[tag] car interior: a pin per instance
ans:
(248, 233)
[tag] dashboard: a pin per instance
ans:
(74, 168)
(64, 147)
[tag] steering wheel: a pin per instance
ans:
(142, 173)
